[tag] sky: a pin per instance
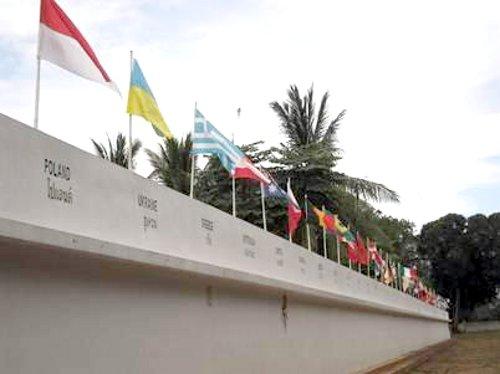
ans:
(420, 82)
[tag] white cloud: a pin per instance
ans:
(406, 73)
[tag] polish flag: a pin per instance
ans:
(294, 211)
(61, 43)
(245, 169)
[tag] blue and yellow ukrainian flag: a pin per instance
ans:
(141, 102)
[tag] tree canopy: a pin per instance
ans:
(462, 256)
(172, 164)
(117, 153)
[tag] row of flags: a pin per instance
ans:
(61, 43)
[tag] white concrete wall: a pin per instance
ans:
(71, 309)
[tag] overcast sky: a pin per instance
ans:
(420, 81)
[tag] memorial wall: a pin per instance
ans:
(65, 213)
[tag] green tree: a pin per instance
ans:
(172, 164)
(309, 157)
(310, 153)
(458, 253)
(118, 153)
(214, 187)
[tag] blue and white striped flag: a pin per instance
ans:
(207, 140)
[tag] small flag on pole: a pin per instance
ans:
(294, 211)
(141, 102)
(62, 44)
(325, 219)
(363, 255)
(375, 255)
(273, 190)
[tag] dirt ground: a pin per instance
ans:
(471, 353)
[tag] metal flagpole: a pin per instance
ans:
(37, 92)
(234, 195)
(308, 233)
(400, 280)
(338, 248)
(191, 187)
(193, 163)
(130, 117)
(369, 258)
(347, 249)
(263, 203)
(288, 202)
(389, 267)
(359, 262)
(324, 237)
(233, 180)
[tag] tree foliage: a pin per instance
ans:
(117, 153)
(214, 187)
(310, 152)
(462, 257)
(172, 164)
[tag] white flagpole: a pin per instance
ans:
(263, 203)
(288, 202)
(233, 180)
(347, 250)
(398, 269)
(37, 91)
(193, 163)
(338, 248)
(308, 233)
(369, 258)
(234, 195)
(325, 254)
(130, 117)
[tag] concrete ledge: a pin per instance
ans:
(24, 235)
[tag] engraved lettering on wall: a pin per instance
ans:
(207, 225)
(150, 205)
(58, 178)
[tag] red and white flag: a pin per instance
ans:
(245, 169)
(294, 211)
(61, 43)
(375, 256)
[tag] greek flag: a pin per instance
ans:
(207, 140)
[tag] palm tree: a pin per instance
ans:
(172, 165)
(117, 154)
(310, 153)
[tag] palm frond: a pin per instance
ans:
(322, 117)
(117, 153)
(171, 164)
(100, 150)
(366, 189)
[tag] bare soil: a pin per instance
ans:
(471, 353)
